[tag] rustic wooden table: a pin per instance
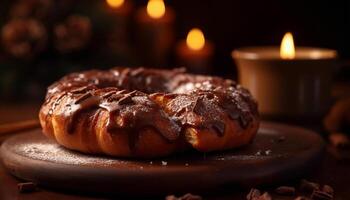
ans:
(332, 172)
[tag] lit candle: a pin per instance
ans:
(195, 53)
(195, 39)
(115, 3)
(156, 9)
(288, 81)
(119, 7)
(287, 50)
(155, 32)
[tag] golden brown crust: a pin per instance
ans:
(91, 132)
(235, 136)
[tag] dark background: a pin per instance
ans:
(232, 24)
(228, 24)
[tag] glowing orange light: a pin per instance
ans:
(287, 50)
(195, 39)
(156, 8)
(115, 3)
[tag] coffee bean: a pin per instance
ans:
(253, 194)
(285, 191)
(339, 140)
(308, 187)
(320, 195)
(265, 196)
(328, 189)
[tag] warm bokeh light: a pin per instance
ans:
(115, 3)
(195, 39)
(156, 8)
(287, 50)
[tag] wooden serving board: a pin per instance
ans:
(279, 153)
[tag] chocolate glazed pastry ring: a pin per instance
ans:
(147, 113)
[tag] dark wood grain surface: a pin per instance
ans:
(332, 171)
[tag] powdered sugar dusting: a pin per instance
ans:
(55, 153)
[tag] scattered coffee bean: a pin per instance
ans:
(187, 196)
(253, 194)
(308, 187)
(321, 195)
(26, 187)
(190, 196)
(328, 189)
(339, 140)
(171, 197)
(265, 196)
(285, 191)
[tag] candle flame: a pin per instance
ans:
(115, 3)
(195, 39)
(156, 8)
(287, 50)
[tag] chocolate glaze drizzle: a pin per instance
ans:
(130, 97)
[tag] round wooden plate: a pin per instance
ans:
(279, 153)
